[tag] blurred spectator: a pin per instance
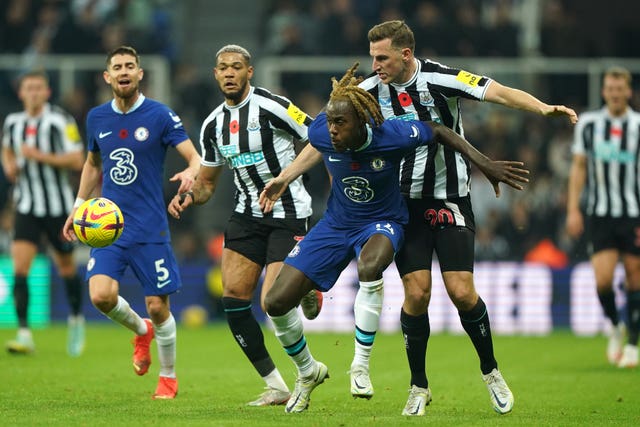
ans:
(503, 33)
(18, 22)
(432, 31)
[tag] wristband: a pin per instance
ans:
(78, 202)
(185, 194)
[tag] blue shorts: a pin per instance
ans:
(327, 250)
(152, 263)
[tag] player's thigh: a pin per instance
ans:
(103, 291)
(240, 275)
(455, 249)
(631, 264)
(416, 252)
(27, 230)
(270, 274)
(287, 291)
(55, 236)
(376, 247)
(248, 237)
(282, 235)
(322, 255)
(156, 267)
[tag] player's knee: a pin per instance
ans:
(464, 298)
(273, 306)
(370, 269)
(103, 302)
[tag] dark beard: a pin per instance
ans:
(125, 94)
(237, 95)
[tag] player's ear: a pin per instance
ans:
(250, 72)
(141, 73)
(106, 77)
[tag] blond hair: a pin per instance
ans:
(363, 102)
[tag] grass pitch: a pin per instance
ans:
(559, 380)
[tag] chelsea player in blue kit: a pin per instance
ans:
(364, 219)
(128, 139)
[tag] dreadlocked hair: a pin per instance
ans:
(363, 102)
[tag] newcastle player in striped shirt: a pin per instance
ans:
(606, 154)
(252, 132)
(435, 181)
(39, 146)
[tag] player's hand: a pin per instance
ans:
(575, 223)
(271, 193)
(561, 110)
(31, 153)
(510, 172)
(179, 203)
(67, 229)
(186, 178)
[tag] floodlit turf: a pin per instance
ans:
(557, 380)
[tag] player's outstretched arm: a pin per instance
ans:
(272, 191)
(188, 176)
(201, 191)
(510, 172)
(516, 98)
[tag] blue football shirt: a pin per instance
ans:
(133, 147)
(365, 181)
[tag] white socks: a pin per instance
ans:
(124, 315)
(289, 332)
(166, 340)
(367, 309)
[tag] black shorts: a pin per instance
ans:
(613, 233)
(263, 240)
(30, 227)
(444, 226)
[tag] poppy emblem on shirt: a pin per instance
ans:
(141, 134)
(404, 99)
(234, 127)
(355, 166)
(123, 133)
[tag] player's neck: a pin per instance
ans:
(34, 111)
(125, 104)
(618, 112)
(409, 71)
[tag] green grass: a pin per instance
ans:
(556, 380)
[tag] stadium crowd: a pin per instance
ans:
(514, 227)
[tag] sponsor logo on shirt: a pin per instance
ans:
(247, 159)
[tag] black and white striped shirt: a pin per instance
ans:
(40, 189)
(432, 93)
(255, 138)
(612, 147)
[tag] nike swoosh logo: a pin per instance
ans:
(161, 285)
(500, 404)
(414, 132)
(333, 159)
(358, 385)
(102, 135)
(95, 216)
